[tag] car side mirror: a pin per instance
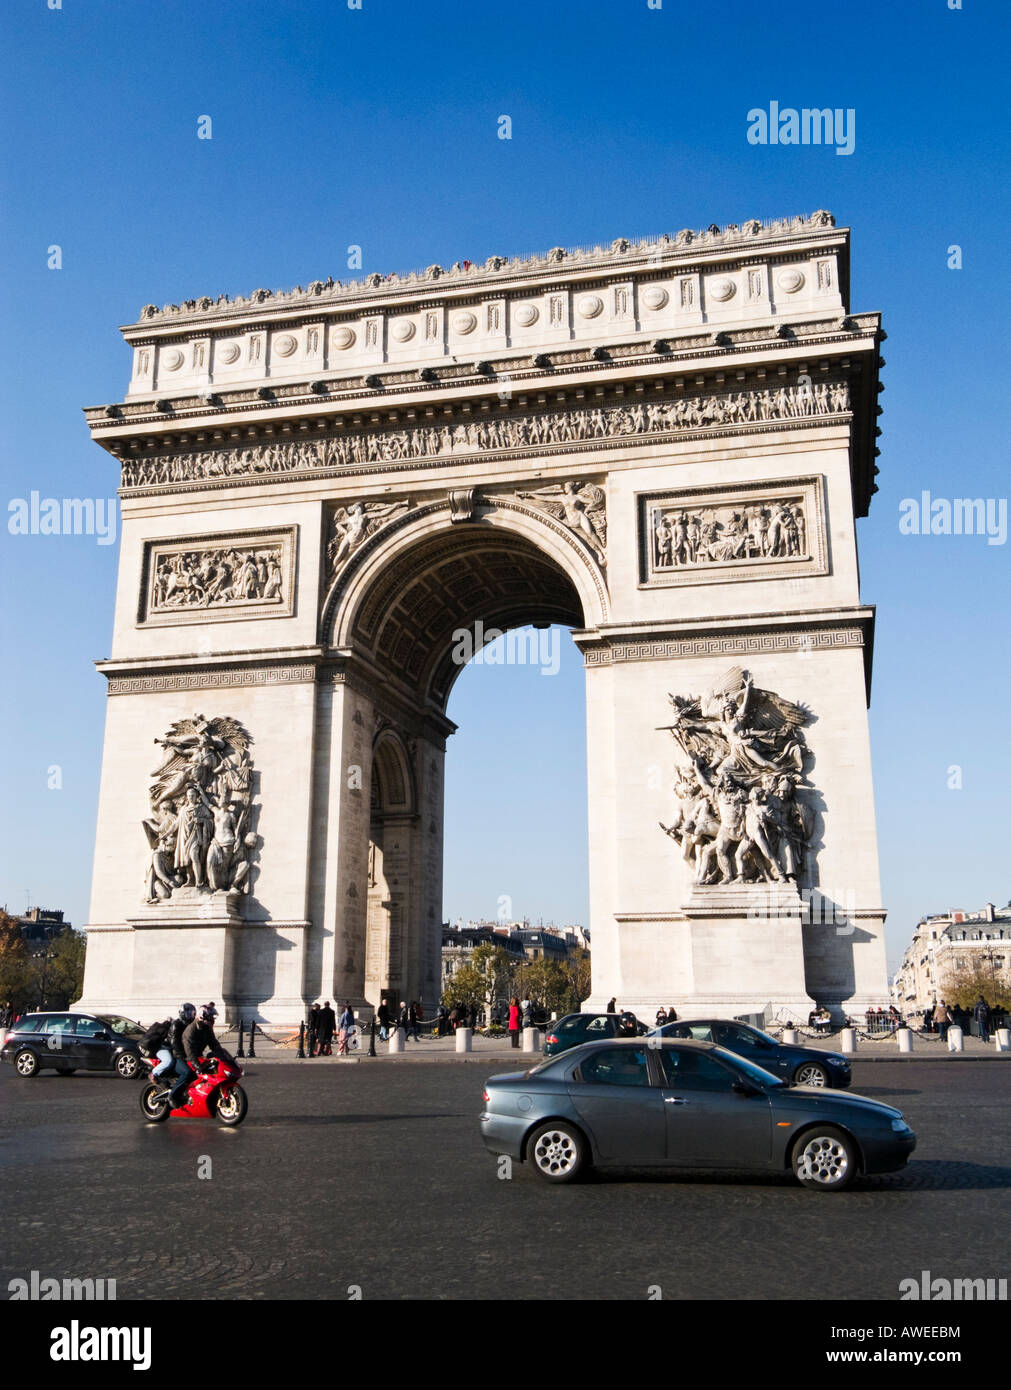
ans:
(745, 1088)
(104, 1036)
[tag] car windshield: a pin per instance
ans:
(759, 1075)
(125, 1027)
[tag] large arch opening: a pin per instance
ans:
(409, 615)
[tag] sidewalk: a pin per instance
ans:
(487, 1050)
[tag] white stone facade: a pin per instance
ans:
(308, 520)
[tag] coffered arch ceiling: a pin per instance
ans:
(409, 620)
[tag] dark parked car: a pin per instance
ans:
(679, 1104)
(574, 1029)
(67, 1042)
(804, 1066)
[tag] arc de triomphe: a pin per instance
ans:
(662, 445)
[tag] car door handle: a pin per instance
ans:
(674, 1100)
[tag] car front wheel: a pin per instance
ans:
(558, 1152)
(810, 1074)
(26, 1063)
(825, 1159)
(127, 1066)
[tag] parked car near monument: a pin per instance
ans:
(69, 1042)
(669, 1103)
(574, 1029)
(803, 1066)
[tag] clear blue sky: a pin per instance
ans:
(378, 127)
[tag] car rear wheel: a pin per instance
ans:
(26, 1063)
(558, 1152)
(127, 1066)
(810, 1074)
(825, 1159)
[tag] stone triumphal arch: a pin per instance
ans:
(662, 445)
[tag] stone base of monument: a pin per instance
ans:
(188, 941)
(733, 950)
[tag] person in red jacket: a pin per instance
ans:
(514, 1021)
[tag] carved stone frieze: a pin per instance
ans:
(209, 678)
(716, 535)
(200, 823)
(738, 816)
(201, 578)
(735, 644)
(357, 450)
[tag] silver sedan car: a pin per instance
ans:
(659, 1102)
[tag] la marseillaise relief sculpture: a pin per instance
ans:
(663, 446)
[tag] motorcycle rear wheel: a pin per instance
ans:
(154, 1113)
(231, 1109)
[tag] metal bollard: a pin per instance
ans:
(789, 1036)
(848, 1040)
(252, 1039)
(1002, 1038)
(301, 1041)
(372, 1037)
(905, 1038)
(531, 1040)
(463, 1039)
(956, 1038)
(241, 1052)
(398, 1040)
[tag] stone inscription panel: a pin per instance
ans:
(700, 535)
(219, 577)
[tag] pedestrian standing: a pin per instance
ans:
(981, 1013)
(327, 1023)
(514, 1021)
(942, 1019)
(612, 1007)
(661, 1017)
(383, 1015)
(413, 1018)
(344, 1028)
(404, 1018)
(313, 1030)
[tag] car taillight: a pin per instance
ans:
(551, 1038)
(485, 1097)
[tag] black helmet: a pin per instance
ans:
(188, 1012)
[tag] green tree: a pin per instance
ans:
(484, 981)
(577, 968)
(16, 976)
(65, 970)
(546, 982)
(963, 984)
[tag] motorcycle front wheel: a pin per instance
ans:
(231, 1108)
(154, 1111)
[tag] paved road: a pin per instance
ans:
(376, 1176)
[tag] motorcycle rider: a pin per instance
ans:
(187, 1013)
(199, 1040)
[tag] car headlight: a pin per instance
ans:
(900, 1126)
(837, 1061)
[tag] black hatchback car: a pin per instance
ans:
(801, 1066)
(68, 1042)
(574, 1029)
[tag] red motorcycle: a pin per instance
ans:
(213, 1094)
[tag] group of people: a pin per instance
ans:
(665, 1016)
(183, 1046)
(322, 1024)
(939, 1017)
(408, 1017)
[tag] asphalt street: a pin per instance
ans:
(376, 1177)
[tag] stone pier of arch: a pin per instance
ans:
(321, 490)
